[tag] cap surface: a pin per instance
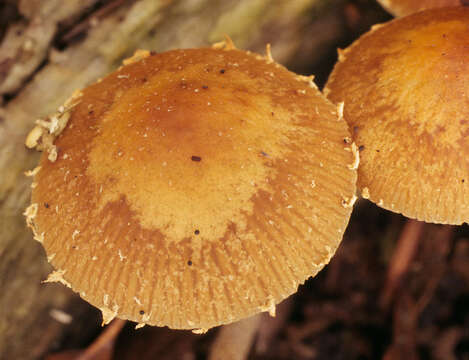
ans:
(407, 7)
(195, 187)
(407, 106)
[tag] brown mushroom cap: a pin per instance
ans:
(405, 85)
(407, 7)
(193, 188)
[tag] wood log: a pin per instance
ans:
(26, 43)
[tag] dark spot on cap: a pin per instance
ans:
(377, 150)
(263, 153)
(196, 158)
(272, 113)
(361, 148)
(153, 52)
(141, 312)
(197, 232)
(91, 112)
(222, 71)
(463, 180)
(46, 205)
(189, 263)
(144, 80)
(465, 2)
(204, 87)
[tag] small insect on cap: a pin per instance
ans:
(407, 105)
(407, 7)
(195, 187)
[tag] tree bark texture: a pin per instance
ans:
(55, 47)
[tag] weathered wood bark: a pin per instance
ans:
(94, 40)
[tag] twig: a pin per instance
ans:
(104, 342)
(83, 26)
(402, 257)
(444, 238)
(404, 345)
(407, 310)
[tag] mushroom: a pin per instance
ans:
(405, 85)
(407, 7)
(193, 188)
